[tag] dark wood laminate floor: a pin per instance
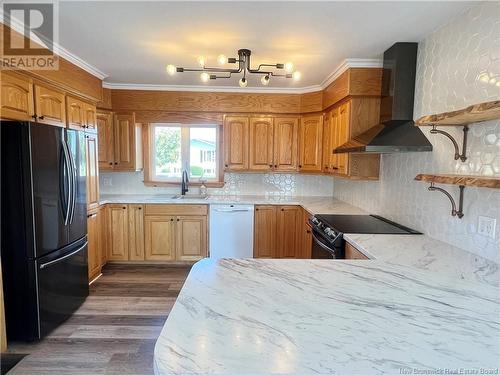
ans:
(114, 331)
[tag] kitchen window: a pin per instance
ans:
(178, 147)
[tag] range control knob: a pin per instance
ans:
(315, 221)
(328, 231)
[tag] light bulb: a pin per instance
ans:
(265, 80)
(204, 77)
(202, 60)
(243, 82)
(289, 67)
(296, 76)
(171, 69)
(222, 59)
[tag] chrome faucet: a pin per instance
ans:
(185, 182)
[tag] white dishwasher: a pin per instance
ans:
(231, 231)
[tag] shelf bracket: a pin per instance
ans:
(462, 156)
(454, 212)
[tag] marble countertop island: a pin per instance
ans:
(303, 317)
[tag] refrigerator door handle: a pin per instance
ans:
(73, 184)
(45, 265)
(70, 187)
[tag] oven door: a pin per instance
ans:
(323, 248)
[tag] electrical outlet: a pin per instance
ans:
(486, 226)
(107, 181)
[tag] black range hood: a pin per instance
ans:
(396, 131)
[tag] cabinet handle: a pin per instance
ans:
(124, 207)
(282, 209)
(177, 219)
(41, 117)
(326, 166)
(270, 165)
(275, 165)
(300, 166)
(116, 163)
(256, 209)
(308, 231)
(110, 163)
(34, 116)
(226, 165)
(140, 208)
(171, 219)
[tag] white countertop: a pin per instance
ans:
(327, 317)
(426, 253)
(314, 205)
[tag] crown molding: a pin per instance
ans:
(61, 51)
(346, 64)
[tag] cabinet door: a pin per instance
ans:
(118, 232)
(306, 235)
(236, 143)
(92, 172)
(334, 139)
(289, 231)
(311, 143)
(90, 116)
(102, 226)
(286, 143)
(265, 232)
(343, 137)
(17, 98)
(327, 142)
(94, 261)
(75, 110)
(50, 106)
(159, 234)
(191, 237)
(261, 144)
(136, 231)
(106, 140)
(124, 142)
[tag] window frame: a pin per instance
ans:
(150, 178)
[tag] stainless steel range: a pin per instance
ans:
(328, 231)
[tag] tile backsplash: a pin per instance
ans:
(458, 65)
(236, 184)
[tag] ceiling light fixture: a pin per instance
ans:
(243, 60)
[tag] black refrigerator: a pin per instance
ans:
(44, 226)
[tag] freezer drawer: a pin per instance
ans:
(62, 285)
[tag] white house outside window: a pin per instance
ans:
(175, 147)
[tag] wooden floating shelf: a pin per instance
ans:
(475, 113)
(477, 181)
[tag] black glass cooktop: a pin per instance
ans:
(363, 224)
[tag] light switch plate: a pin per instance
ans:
(486, 226)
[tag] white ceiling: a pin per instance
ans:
(133, 41)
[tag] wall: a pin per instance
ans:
(458, 65)
(236, 184)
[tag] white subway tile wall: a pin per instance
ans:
(236, 184)
(458, 65)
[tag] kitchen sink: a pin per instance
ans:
(191, 196)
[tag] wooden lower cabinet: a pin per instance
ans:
(289, 232)
(117, 231)
(265, 232)
(278, 232)
(306, 235)
(191, 240)
(352, 253)
(92, 171)
(136, 231)
(97, 241)
(159, 233)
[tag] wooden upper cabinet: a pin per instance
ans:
(191, 237)
(90, 116)
(50, 106)
(289, 232)
(261, 144)
(118, 231)
(265, 232)
(311, 143)
(236, 132)
(124, 141)
(17, 97)
(75, 109)
(159, 234)
(343, 137)
(136, 231)
(286, 143)
(106, 138)
(92, 172)
(327, 142)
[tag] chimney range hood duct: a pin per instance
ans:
(396, 131)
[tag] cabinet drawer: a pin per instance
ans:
(176, 209)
